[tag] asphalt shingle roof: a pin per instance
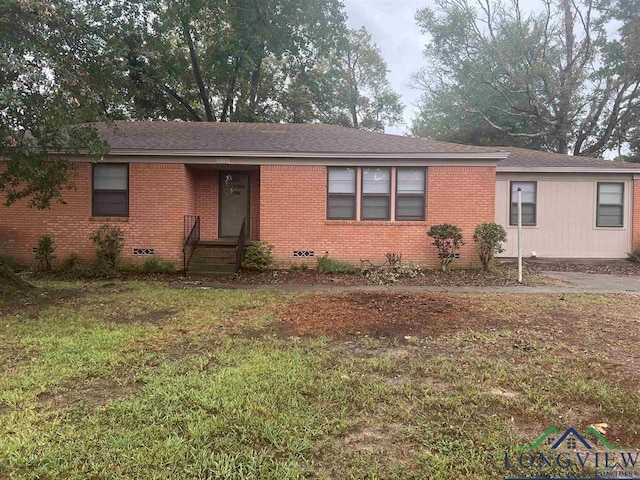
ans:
(269, 138)
(521, 158)
(320, 139)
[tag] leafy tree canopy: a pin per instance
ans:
(64, 63)
(565, 79)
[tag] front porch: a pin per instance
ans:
(226, 205)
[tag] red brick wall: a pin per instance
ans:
(293, 206)
(255, 204)
(290, 202)
(159, 197)
(636, 215)
(206, 180)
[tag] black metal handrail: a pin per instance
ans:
(191, 238)
(242, 237)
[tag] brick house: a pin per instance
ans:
(307, 189)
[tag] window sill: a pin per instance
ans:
(392, 223)
(108, 219)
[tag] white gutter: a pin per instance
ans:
(313, 155)
(630, 171)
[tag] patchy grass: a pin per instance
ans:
(139, 380)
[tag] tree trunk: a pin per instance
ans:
(186, 30)
(256, 78)
(567, 81)
(228, 101)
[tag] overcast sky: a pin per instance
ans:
(392, 25)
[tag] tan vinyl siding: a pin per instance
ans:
(566, 217)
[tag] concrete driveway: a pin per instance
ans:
(596, 283)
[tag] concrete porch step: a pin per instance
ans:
(206, 269)
(214, 253)
(198, 262)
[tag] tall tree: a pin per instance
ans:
(364, 96)
(244, 60)
(44, 96)
(555, 80)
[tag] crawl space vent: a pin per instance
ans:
(304, 253)
(144, 251)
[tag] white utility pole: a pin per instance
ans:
(519, 235)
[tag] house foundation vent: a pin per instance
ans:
(34, 249)
(304, 253)
(144, 251)
(456, 256)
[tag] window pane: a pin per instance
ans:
(341, 207)
(610, 216)
(528, 191)
(528, 214)
(528, 203)
(410, 180)
(342, 180)
(110, 177)
(110, 203)
(410, 208)
(611, 193)
(375, 208)
(376, 180)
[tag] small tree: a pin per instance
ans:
(109, 243)
(45, 254)
(489, 237)
(447, 239)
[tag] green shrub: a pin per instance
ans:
(158, 265)
(634, 256)
(71, 267)
(489, 237)
(329, 265)
(258, 256)
(109, 244)
(447, 239)
(45, 254)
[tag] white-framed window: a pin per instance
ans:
(529, 203)
(410, 193)
(376, 193)
(610, 209)
(110, 190)
(341, 193)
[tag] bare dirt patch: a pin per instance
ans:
(93, 393)
(12, 357)
(604, 329)
(383, 315)
(32, 301)
(36, 299)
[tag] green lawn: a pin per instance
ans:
(138, 380)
